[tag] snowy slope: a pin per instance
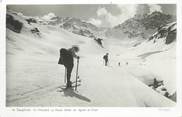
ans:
(33, 75)
(154, 58)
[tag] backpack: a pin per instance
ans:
(104, 57)
(66, 57)
(63, 51)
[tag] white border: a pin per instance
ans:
(106, 112)
(89, 1)
(2, 56)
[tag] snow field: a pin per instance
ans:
(33, 75)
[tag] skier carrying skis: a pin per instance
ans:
(99, 41)
(105, 57)
(67, 59)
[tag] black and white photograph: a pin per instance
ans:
(91, 55)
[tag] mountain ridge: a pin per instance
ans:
(140, 26)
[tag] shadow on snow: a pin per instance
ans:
(72, 93)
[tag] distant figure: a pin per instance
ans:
(157, 83)
(67, 59)
(105, 57)
(99, 41)
(126, 63)
(119, 64)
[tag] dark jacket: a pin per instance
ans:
(105, 57)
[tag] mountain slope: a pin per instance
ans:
(33, 72)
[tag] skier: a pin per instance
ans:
(126, 63)
(157, 83)
(99, 41)
(67, 59)
(105, 57)
(119, 64)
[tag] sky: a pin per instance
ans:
(102, 15)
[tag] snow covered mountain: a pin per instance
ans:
(74, 25)
(33, 72)
(80, 27)
(165, 35)
(140, 26)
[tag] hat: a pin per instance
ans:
(76, 48)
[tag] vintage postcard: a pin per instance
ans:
(86, 57)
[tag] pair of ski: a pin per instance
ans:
(73, 87)
(75, 83)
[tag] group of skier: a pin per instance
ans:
(67, 59)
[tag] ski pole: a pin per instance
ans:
(65, 75)
(77, 74)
